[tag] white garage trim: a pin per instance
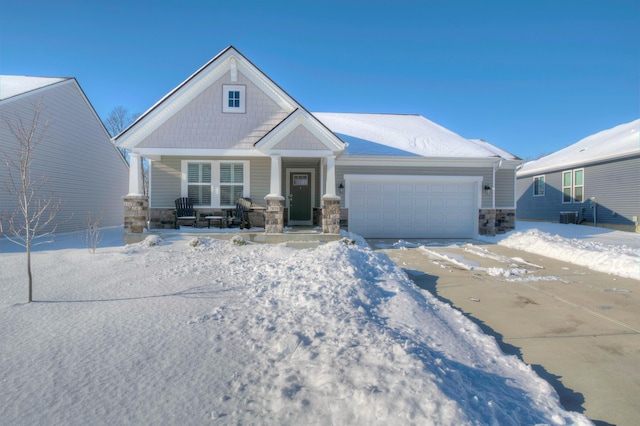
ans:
(414, 206)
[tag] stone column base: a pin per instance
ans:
(274, 215)
(136, 209)
(330, 215)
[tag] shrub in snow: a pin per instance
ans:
(195, 242)
(348, 241)
(238, 240)
(152, 240)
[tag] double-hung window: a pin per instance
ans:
(215, 183)
(233, 98)
(231, 183)
(199, 183)
(573, 186)
(538, 186)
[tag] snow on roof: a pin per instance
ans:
(619, 141)
(401, 135)
(13, 85)
(497, 151)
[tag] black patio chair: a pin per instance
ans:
(185, 212)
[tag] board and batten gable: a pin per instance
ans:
(81, 166)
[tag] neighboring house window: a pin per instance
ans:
(578, 186)
(231, 183)
(233, 98)
(538, 186)
(199, 183)
(573, 186)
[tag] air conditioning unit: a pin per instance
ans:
(569, 217)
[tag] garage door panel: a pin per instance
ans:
(413, 209)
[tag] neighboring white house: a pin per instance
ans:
(595, 181)
(229, 131)
(83, 169)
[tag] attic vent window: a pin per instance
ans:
(233, 98)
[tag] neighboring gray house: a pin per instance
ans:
(229, 131)
(594, 181)
(82, 167)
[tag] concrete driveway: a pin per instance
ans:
(578, 329)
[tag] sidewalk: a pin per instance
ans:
(578, 329)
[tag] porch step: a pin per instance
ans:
(301, 245)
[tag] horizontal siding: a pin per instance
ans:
(81, 166)
(615, 184)
(505, 188)
(166, 175)
(485, 173)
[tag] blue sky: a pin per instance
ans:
(528, 76)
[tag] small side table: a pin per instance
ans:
(220, 220)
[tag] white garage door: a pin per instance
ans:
(413, 206)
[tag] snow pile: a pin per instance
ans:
(604, 250)
(192, 331)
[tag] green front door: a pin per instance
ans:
(300, 212)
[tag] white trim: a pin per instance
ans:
(310, 123)
(289, 171)
(449, 162)
(544, 191)
(242, 101)
(200, 152)
(215, 179)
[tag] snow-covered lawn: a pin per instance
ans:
(199, 331)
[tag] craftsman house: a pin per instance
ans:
(594, 181)
(228, 131)
(81, 166)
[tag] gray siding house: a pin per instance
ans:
(83, 169)
(595, 181)
(229, 131)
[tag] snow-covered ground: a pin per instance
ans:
(196, 330)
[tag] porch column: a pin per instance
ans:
(135, 175)
(276, 173)
(274, 215)
(136, 204)
(330, 201)
(330, 186)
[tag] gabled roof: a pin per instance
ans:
(227, 60)
(403, 135)
(14, 85)
(618, 142)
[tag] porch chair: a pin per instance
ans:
(243, 205)
(185, 211)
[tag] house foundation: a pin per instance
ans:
(274, 215)
(496, 221)
(330, 215)
(136, 211)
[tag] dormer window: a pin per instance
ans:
(233, 98)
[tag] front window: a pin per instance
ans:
(233, 98)
(573, 186)
(538, 186)
(199, 183)
(231, 183)
(215, 183)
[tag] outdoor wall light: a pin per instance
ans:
(487, 189)
(341, 188)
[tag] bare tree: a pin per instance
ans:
(35, 212)
(119, 119)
